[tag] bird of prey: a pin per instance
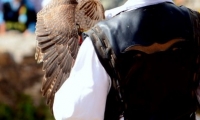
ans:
(58, 27)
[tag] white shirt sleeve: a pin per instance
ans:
(83, 94)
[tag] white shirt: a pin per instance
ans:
(83, 94)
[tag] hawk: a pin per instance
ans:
(58, 27)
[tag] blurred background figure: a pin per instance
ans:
(19, 15)
(2, 26)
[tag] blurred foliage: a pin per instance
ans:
(24, 109)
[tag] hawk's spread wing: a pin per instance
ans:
(57, 38)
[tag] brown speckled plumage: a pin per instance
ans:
(57, 38)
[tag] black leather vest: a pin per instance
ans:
(152, 57)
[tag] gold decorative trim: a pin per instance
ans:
(155, 47)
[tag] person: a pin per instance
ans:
(141, 63)
(2, 24)
(18, 15)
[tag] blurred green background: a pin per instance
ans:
(21, 76)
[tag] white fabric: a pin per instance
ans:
(83, 95)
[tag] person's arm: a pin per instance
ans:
(83, 95)
(2, 24)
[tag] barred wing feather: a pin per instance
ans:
(88, 13)
(57, 44)
(57, 39)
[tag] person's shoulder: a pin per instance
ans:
(192, 12)
(6, 4)
(5, 1)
